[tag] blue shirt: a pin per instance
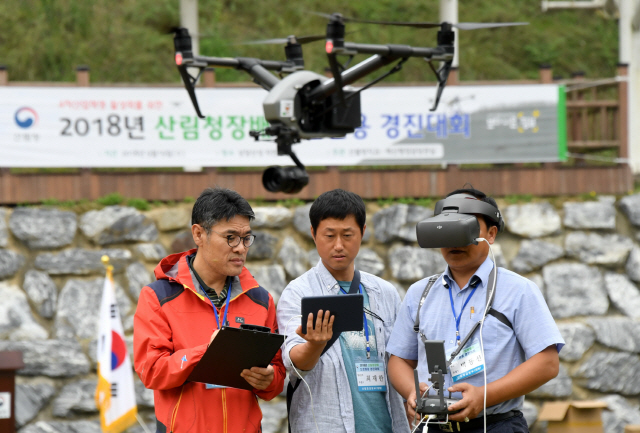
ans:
(369, 408)
(518, 298)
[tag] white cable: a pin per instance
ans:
(428, 417)
(416, 413)
(486, 310)
(302, 378)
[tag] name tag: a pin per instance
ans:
(469, 362)
(371, 376)
(211, 386)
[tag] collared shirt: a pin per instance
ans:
(518, 298)
(233, 291)
(218, 300)
(332, 402)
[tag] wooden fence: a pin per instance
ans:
(597, 116)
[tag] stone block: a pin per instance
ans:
(78, 307)
(368, 261)
(533, 254)
(42, 291)
(532, 220)
(301, 220)
(53, 358)
(76, 398)
(10, 263)
(398, 222)
(619, 413)
(578, 338)
(79, 261)
(4, 231)
(264, 246)
(30, 399)
(630, 206)
(623, 294)
(591, 215)
(620, 333)
(16, 320)
(43, 228)
(117, 224)
(293, 258)
(574, 289)
(610, 372)
(151, 252)
(63, 427)
(138, 277)
(413, 263)
(596, 249)
(272, 278)
(273, 217)
(172, 218)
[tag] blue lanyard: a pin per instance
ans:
(215, 310)
(364, 318)
(458, 317)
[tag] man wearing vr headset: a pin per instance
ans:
(520, 338)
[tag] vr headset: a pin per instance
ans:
(454, 223)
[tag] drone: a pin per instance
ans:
(302, 104)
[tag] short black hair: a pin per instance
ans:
(480, 196)
(217, 203)
(337, 204)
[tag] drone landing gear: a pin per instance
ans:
(289, 180)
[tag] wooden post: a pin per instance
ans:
(209, 77)
(82, 76)
(546, 73)
(4, 75)
(9, 363)
(623, 110)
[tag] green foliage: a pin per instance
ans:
(139, 203)
(111, 199)
(291, 202)
(418, 201)
(128, 41)
(54, 202)
(189, 199)
(518, 198)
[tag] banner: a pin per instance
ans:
(157, 127)
(115, 393)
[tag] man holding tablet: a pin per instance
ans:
(349, 388)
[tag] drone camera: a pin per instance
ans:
(289, 180)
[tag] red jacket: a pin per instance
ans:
(173, 322)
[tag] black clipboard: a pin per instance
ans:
(232, 351)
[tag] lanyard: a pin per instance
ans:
(215, 310)
(458, 317)
(364, 318)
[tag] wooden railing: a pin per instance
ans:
(597, 117)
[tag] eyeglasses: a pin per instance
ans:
(234, 240)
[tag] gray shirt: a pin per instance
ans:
(332, 403)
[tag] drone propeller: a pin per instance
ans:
(288, 40)
(420, 25)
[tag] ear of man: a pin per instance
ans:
(198, 234)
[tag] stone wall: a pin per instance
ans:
(584, 256)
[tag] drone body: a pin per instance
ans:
(306, 105)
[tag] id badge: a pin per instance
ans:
(371, 376)
(212, 386)
(469, 362)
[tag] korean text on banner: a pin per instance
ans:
(115, 395)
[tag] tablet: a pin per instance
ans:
(347, 310)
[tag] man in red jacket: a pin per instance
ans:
(198, 292)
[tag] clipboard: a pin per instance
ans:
(232, 351)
